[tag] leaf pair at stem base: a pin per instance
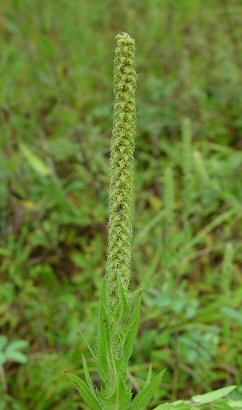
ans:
(116, 336)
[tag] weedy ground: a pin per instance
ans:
(56, 111)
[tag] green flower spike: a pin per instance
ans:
(119, 314)
(122, 166)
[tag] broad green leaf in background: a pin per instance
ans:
(10, 352)
(198, 401)
(236, 315)
(212, 396)
(177, 405)
(35, 161)
(235, 404)
(3, 342)
(16, 356)
(18, 344)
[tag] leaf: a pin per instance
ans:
(131, 330)
(85, 342)
(35, 161)
(235, 404)
(143, 398)
(85, 392)
(105, 358)
(104, 333)
(222, 405)
(87, 375)
(17, 344)
(16, 356)
(178, 405)
(124, 395)
(12, 351)
(149, 376)
(212, 396)
(3, 341)
(123, 304)
(232, 314)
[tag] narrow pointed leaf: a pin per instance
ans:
(149, 375)
(87, 375)
(85, 342)
(135, 295)
(124, 395)
(85, 392)
(123, 303)
(104, 333)
(141, 401)
(131, 331)
(105, 358)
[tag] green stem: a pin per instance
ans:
(3, 378)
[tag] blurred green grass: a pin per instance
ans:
(56, 118)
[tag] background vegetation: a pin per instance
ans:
(56, 117)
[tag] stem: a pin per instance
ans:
(3, 378)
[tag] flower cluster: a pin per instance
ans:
(122, 166)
